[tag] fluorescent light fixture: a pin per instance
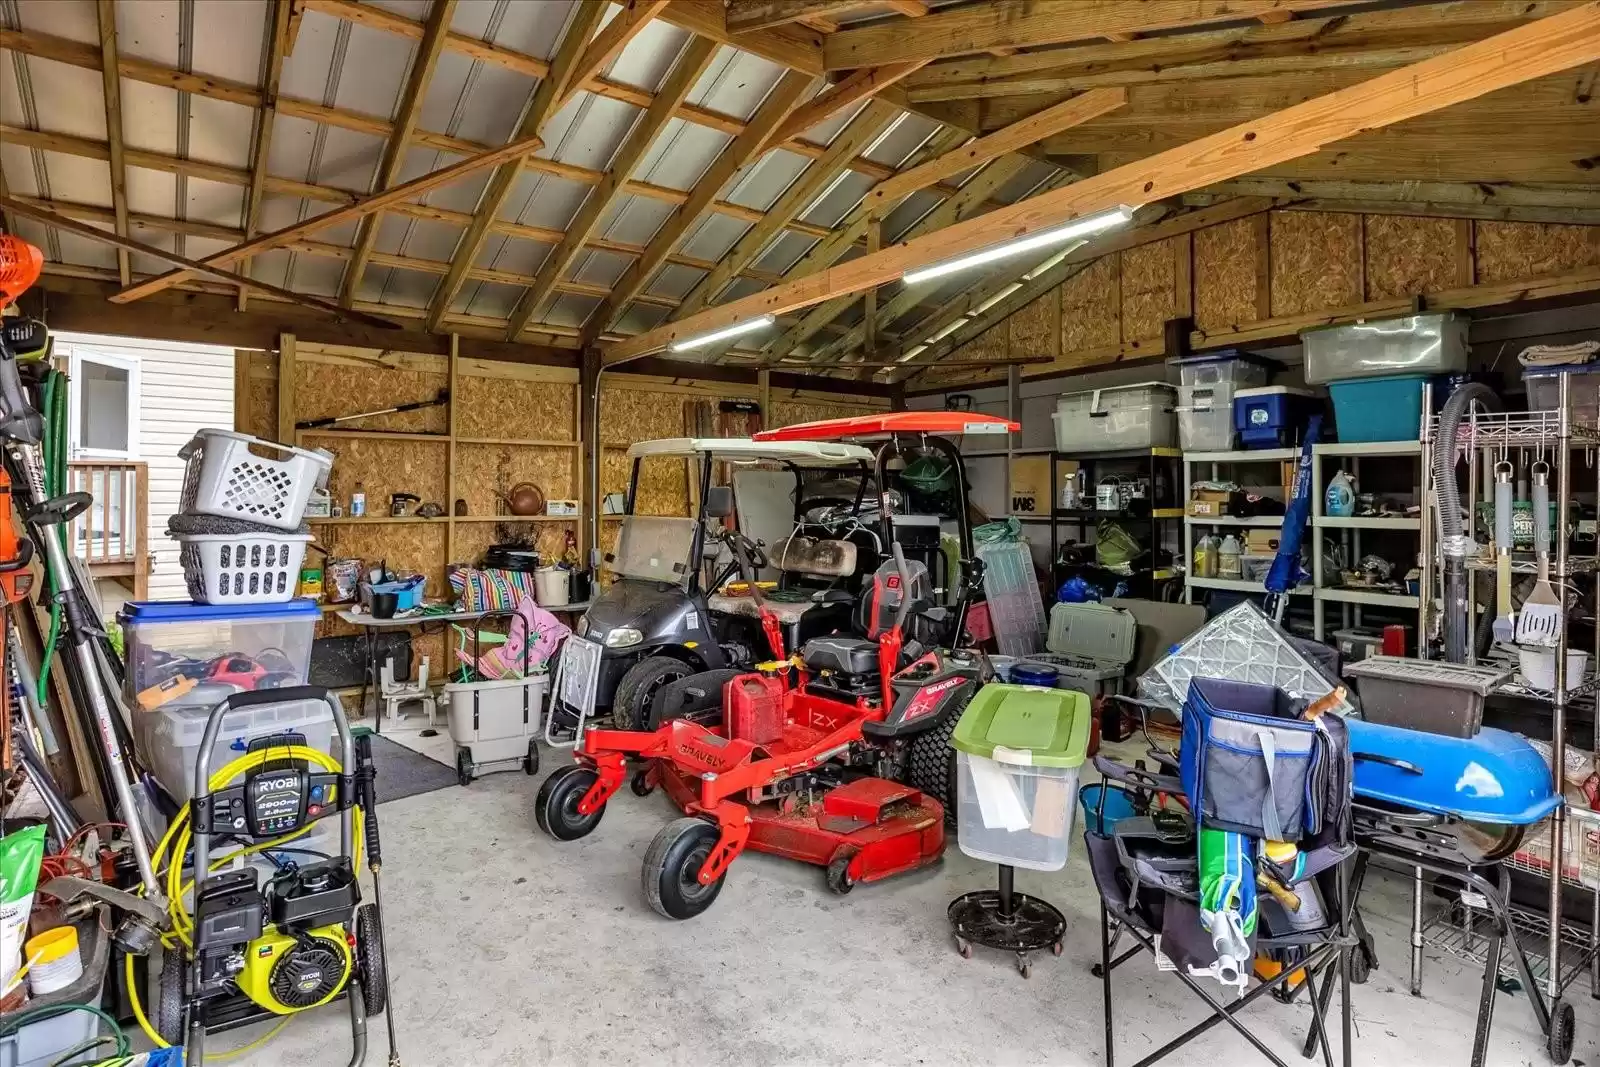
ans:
(1081, 227)
(721, 335)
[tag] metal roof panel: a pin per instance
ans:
(680, 154)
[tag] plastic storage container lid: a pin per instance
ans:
(1097, 631)
(187, 611)
(1224, 356)
(1026, 727)
(1565, 368)
(1271, 390)
(1479, 680)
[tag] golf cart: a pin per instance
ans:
(662, 620)
(839, 757)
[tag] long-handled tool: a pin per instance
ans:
(1505, 620)
(366, 774)
(1539, 623)
(443, 397)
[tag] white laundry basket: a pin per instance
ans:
(225, 478)
(246, 568)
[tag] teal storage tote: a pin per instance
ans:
(1379, 409)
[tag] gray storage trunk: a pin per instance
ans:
(1435, 697)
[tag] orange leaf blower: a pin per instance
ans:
(20, 265)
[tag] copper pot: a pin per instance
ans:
(525, 498)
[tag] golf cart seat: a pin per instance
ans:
(808, 556)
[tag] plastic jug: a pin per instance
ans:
(1229, 564)
(1205, 557)
(1340, 499)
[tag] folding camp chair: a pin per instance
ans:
(1153, 898)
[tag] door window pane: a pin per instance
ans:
(104, 406)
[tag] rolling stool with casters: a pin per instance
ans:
(1019, 750)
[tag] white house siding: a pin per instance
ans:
(182, 388)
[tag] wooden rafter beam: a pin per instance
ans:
(394, 150)
(355, 210)
(789, 46)
(838, 97)
(278, 43)
(554, 90)
(1031, 282)
(61, 222)
(974, 195)
(1052, 120)
(859, 135)
(106, 15)
(85, 149)
(745, 148)
(1003, 24)
(686, 72)
(1552, 44)
(747, 15)
(911, 9)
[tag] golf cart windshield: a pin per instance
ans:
(655, 548)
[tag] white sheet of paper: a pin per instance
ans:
(998, 800)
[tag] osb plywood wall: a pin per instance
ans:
(1275, 273)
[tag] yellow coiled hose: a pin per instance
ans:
(174, 845)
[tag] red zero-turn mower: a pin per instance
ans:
(808, 756)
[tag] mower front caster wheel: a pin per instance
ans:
(530, 763)
(671, 874)
(463, 766)
(838, 876)
(964, 947)
(640, 784)
(556, 808)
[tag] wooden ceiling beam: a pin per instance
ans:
(690, 65)
(838, 97)
(326, 194)
(191, 266)
(278, 41)
(867, 127)
(779, 103)
(423, 64)
(977, 191)
(547, 98)
(111, 84)
(747, 15)
(1033, 23)
(359, 208)
(1052, 120)
(1558, 42)
(790, 46)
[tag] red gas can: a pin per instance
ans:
(752, 708)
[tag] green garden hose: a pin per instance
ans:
(54, 446)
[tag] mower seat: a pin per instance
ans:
(841, 655)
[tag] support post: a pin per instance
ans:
(286, 367)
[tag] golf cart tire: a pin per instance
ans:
(671, 864)
(673, 697)
(931, 762)
(556, 807)
(630, 708)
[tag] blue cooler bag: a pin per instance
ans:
(1251, 765)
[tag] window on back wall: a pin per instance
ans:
(104, 400)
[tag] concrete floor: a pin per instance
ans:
(509, 948)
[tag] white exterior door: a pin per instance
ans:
(103, 420)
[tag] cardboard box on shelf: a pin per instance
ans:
(1031, 491)
(1261, 542)
(1208, 503)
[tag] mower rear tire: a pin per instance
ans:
(169, 997)
(672, 868)
(637, 690)
(556, 807)
(369, 960)
(931, 762)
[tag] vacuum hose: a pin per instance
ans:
(1455, 542)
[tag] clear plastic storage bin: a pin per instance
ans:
(1205, 418)
(192, 655)
(1019, 750)
(1125, 416)
(169, 737)
(1415, 344)
(1232, 368)
(1583, 390)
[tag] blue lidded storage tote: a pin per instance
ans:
(1379, 409)
(1271, 416)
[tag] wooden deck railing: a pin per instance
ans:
(112, 536)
